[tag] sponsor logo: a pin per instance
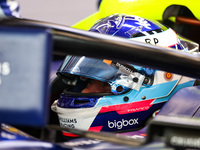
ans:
(4, 70)
(138, 109)
(67, 122)
(123, 68)
(122, 123)
(185, 141)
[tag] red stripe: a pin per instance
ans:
(94, 129)
(129, 107)
(70, 134)
(97, 129)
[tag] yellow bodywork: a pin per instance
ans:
(149, 9)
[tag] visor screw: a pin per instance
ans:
(143, 97)
(146, 80)
(126, 99)
(135, 79)
(119, 89)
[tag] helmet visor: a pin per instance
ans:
(187, 45)
(103, 70)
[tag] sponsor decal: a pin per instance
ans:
(122, 123)
(123, 68)
(4, 70)
(185, 141)
(67, 122)
(138, 109)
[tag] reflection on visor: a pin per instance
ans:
(185, 45)
(188, 45)
(104, 70)
(89, 67)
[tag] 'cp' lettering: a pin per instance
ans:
(148, 41)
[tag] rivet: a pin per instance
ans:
(143, 97)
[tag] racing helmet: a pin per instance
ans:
(104, 95)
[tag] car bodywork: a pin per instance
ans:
(151, 9)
